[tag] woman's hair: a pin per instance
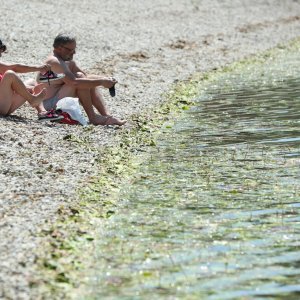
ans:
(63, 38)
(2, 46)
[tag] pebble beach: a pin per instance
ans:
(148, 46)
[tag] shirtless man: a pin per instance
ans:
(76, 83)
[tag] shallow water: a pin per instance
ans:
(215, 212)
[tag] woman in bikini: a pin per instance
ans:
(14, 93)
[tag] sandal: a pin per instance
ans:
(50, 76)
(49, 115)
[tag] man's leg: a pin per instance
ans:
(98, 102)
(85, 99)
(96, 97)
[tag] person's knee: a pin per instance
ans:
(80, 75)
(9, 74)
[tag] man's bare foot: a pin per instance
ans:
(107, 120)
(114, 121)
(38, 98)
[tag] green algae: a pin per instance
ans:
(217, 202)
(67, 253)
(68, 242)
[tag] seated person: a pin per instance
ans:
(14, 93)
(76, 83)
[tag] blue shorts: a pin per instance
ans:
(51, 102)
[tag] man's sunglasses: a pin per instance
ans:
(69, 49)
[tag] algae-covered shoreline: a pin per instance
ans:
(65, 256)
(42, 166)
(63, 270)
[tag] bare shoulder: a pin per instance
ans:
(57, 65)
(51, 59)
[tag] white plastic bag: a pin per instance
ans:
(72, 107)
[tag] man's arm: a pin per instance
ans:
(59, 66)
(75, 68)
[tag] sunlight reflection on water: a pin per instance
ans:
(215, 212)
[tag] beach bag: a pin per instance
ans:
(71, 111)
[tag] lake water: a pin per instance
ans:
(214, 213)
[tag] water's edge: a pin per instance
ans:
(68, 243)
